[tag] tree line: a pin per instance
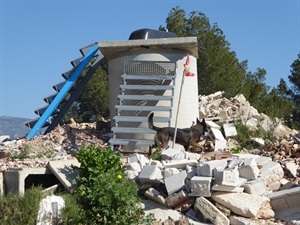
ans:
(218, 69)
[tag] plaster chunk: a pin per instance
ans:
(241, 204)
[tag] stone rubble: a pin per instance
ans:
(208, 184)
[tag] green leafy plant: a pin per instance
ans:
(156, 155)
(72, 213)
(236, 150)
(45, 154)
(149, 219)
(22, 154)
(245, 135)
(104, 192)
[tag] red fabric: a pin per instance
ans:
(186, 70)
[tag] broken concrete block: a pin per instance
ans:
(216, 134)
(201, 186)
(179, 164)
(155, 195)
(242, 180)
(140, 158)
(229, 130)
(176, 198)
(265, 212)
(259, 140)
(224, 115)
(249, 169)
(156, 163)
(253, 112)
(63, 170)
(266, 124)
(150, 175)
(159, 211)
(212, 124)
(239, 220)
(252, 123)
(275, 185)
(285, 184)
(210, 212)
(286, 204)
(245, 155)
(241, 204)
(168, 172)
(223, 209)
(191, 171)
(271, 171)
(292, 168)
(228, 177)
(131, 174)
(261, 160)
(191, 155)
(235, 162)
(175, 183)
(226, 188)
(134, 166)
(206, 168)
(173, 154)
(220, 144)
(256, 187)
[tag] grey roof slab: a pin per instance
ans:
(64, 172)
(112, 49)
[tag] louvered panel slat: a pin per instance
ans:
(133, 130)
(130, 142)
(146, 87)
(142, 108)
(145, 97)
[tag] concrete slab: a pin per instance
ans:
(163, 213)
(64, 172)
(286, 204)
(15, 178)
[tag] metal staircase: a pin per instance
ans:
(58, 103)
(147, 86)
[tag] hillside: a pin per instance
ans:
(13, 126)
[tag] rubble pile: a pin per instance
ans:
(223, 113)
(61, 143)
(260, 186)
(232, 189)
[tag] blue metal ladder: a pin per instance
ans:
(63, 88)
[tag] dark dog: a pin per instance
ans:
(186, 137)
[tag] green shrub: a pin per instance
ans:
(72, 213)
(104, 192)
(21, 210)
(245, 135)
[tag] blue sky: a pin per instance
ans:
(39, 38)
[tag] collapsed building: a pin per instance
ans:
(157, 71)
(205, 186)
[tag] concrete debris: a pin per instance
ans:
(219, 194)
(204, 186)
(50, 210)
(61, 143)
